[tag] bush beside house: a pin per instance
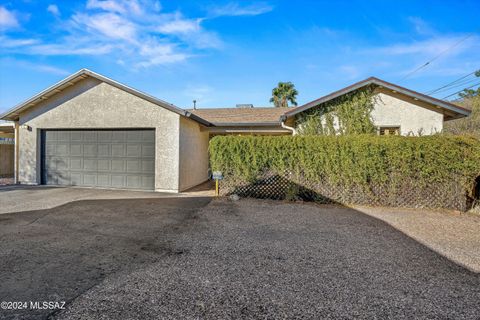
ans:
(431, 171)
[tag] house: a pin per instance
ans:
(89, 130)
(397, 110)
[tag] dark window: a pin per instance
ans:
(389, 131)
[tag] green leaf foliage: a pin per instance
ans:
(348, 114)
(358, 161)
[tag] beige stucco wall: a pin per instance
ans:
(395, 110)
(193, 154)
(93, 104)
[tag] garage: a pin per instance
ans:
(99, 158)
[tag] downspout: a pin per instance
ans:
(282, 120)
(15, 152)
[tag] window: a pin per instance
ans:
(389, 131)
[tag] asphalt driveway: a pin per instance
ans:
(196, 258)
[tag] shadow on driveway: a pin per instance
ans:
(57, 254)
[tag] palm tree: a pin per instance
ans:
(284, 93)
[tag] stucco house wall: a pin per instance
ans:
(411, 116)
(93, 104)
(395, 110)
(193, 154)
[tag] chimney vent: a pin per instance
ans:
(244, 105)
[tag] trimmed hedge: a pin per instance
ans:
(359, 161)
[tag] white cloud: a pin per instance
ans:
(7, 19)
(118, 6)
(35, 66)
(109, 24)
(428, 47)
(421, 26)
(53, 9)
(134, 33)
(62, 49)
(157, 54)
(234, 9)
(14, 43)
(180, 26)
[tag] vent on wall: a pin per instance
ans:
(244, 105)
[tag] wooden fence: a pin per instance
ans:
(6, 160)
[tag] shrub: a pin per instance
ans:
(357, 161)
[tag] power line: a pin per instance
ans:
(476, 84)
(456, 85)
(450, 83)
(437, 56)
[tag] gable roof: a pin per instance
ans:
(241, 116)
(453, 108)
(13, 114)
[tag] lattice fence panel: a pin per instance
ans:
(276, 186)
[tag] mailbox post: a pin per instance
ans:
(217, 175)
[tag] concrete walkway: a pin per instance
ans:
(25, 198)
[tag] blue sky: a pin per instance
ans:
(226, 52)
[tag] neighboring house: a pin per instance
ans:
(89, 130)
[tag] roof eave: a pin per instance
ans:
(380, 83)
(246, 124)
(14, 113)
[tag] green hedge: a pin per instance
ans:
(351, 161)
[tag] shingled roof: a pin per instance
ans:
(241, 116)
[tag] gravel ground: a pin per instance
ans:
(272, 260)
(455, 236)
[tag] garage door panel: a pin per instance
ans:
(118, 150)
(134, 166)
(104, 136)
(104, 165)
(103, 150)
(118, 136)
(76, 136)
(148, 166)
(76, 149)
(62, 149)
(133, 150)
(90, 164)
(90, 150)
(118, 165)
(76, 179)
(63, 136)
(104, 158)
(90, 179)
(147, 150)
(89, 136)
(103, 180)
(134, 136)
(76, 164)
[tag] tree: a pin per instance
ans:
(284, 93)
(470, 93)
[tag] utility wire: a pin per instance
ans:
(450, 83)
(437, 56)
(476, 84)
(456, 85)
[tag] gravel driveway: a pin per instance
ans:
(192, 258)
